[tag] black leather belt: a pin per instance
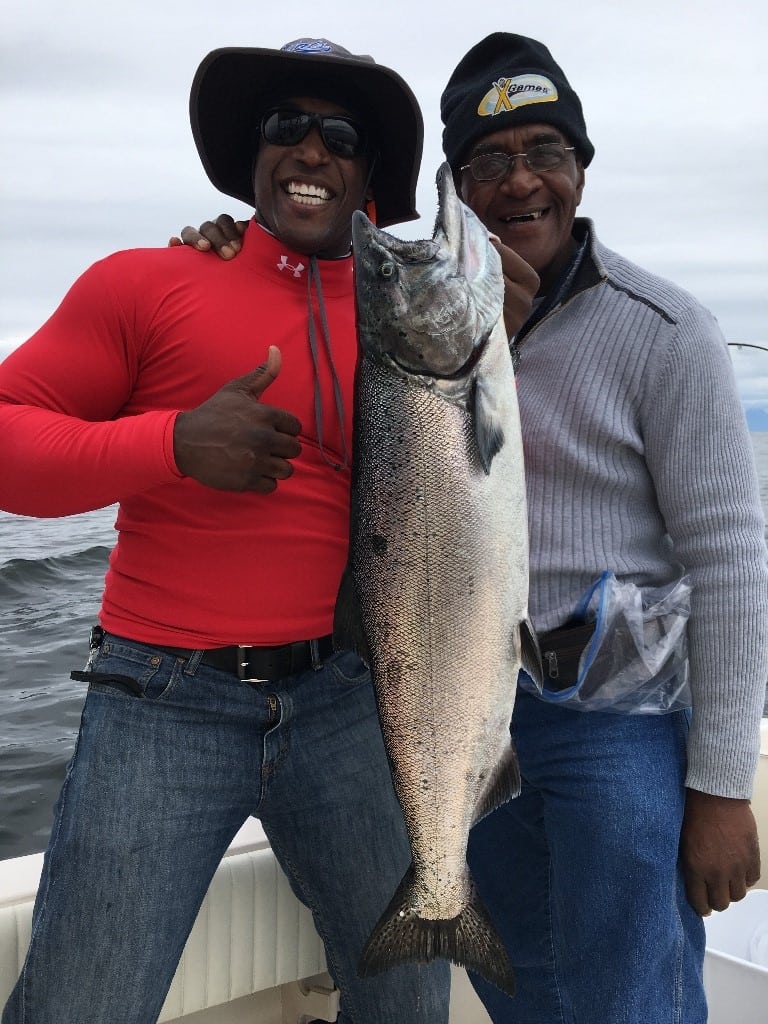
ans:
(262, 664)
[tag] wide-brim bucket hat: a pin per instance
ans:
(234, 85)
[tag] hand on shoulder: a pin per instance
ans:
(222, 235)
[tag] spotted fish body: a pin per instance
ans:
(435, 594)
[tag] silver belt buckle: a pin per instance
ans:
(242, 661)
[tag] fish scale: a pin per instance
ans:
(435, 594)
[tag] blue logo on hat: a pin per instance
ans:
(309, 46)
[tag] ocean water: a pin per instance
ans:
(51, 576)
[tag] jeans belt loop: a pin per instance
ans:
(314, 651)
(193, 662)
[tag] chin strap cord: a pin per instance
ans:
(314, 278)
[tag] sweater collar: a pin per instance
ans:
(590, 270)
(584, 270)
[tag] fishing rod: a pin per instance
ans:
(745, 344)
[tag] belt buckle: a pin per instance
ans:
(242, 662)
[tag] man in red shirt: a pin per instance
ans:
(634, 817)
(214, 693)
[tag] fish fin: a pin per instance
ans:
(503, 785)
(348, 631)
(469, 940)
(530, 653)
(489, 434)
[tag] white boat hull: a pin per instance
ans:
(254, 954)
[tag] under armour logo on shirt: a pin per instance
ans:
(285, 265)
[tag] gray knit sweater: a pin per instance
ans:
(638, 461)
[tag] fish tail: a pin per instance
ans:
(469, 940)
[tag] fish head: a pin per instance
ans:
(427, 307)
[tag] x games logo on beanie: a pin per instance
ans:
(504, 81)
(508, 93)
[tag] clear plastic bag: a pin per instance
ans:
(636, 661)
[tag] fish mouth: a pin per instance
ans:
(528, 217)
(307, 194)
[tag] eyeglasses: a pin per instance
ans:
(547, 156)
(341, 135)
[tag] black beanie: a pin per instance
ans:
(504, 81)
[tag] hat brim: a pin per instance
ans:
(227, 100)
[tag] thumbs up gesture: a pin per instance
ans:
(233, 441)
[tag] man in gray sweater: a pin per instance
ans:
(634, 818)
(644, 515)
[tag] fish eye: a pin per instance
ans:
(387, 269)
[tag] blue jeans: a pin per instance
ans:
(580, 873)
(156, 790)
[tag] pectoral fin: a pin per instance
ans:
(489, 432)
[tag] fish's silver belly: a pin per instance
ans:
(440, 571)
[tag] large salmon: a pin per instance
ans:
(435, 595)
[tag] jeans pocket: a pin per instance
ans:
(349, 668)
(130, 670)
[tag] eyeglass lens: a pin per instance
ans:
(545, 157)
(340, 135)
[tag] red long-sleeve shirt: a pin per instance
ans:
(87, 408)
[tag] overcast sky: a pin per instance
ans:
(97, 154)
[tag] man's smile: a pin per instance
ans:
(306, 194)
(524, 218)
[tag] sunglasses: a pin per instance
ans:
(341, 135)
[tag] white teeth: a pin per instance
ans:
(309, 195)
